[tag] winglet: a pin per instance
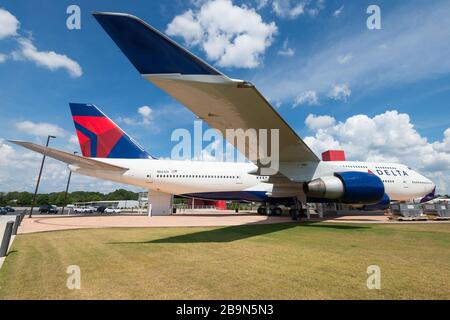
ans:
(150, 51)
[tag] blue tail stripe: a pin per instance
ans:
(83, 109)
(126, 148)
(92, 138)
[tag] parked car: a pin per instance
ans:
(84, 210)
(101, 209)
(48, 208)
(3, 211)
(78, 210)
(112, 210)
(10, 209)
(91, 209)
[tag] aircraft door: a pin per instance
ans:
(149, 177)
(406, 182)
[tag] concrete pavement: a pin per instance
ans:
(204, 219)
(191, 218)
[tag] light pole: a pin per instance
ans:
(67, 187)
(39, 178)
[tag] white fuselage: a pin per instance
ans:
(188, 177)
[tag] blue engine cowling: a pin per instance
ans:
(361, 187)
(382, 205)
(351, 187)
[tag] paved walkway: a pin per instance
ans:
(201, 218)
(205, 219)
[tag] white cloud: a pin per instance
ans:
(73, 140)
(319, 122)
(338, 11)
(186, 26)
(389, 137)
(8, 24)
(47, 59)
(444, 146)
(51, 60)
(230, 35)
(395, 56)
(146, 117)
(40, 129)
(308, 97)
(286, 51)
(6, 151)
(340, 92)
(288, 9)
(147, 114)
(343, 59)
(291, 9)
(261, 4)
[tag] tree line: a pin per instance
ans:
(16, 198)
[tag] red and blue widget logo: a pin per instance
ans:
(100, 137)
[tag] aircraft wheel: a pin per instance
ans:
(275, 212)
(294, 214)
(261, 210)
(303, 213)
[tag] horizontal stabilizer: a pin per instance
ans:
(70, 158)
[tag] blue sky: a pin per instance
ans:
(321, 64)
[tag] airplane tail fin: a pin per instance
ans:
(100, 137)
(429, 197)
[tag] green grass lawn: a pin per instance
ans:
(284, 261)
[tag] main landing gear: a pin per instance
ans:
(297, 210)
(269, 211)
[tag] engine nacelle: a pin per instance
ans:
(328, 187)
(347, 187)
(383, 204)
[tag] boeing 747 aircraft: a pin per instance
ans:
(224, 103)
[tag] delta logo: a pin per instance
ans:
(391, 173)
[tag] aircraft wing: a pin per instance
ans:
(222, 102)
(70, 158)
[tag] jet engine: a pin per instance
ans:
(347, 187)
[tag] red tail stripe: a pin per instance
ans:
(108, 134)
(85, 144)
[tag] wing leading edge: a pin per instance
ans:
(222, 102)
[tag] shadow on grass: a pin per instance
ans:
(333, 225)
(12, 252)
(234, 233)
